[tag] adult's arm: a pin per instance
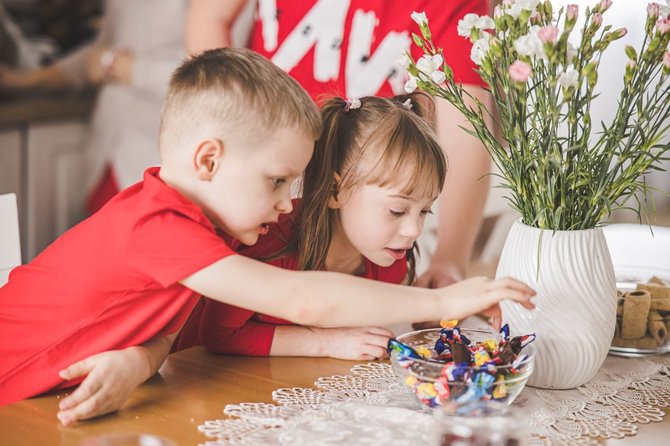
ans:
(462, 201)
(208, 24)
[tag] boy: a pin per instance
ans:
(235, 132)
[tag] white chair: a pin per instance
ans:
(639, 251)
(10, 245)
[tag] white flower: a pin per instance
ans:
(569, 78)
(530, 44)
(479, 50)
(470, 21)
(404, 60)
(518, 6)
(410, 85)
(420, 18)
(438, 76)
(466, 24)
(427, 65)
(485, 22)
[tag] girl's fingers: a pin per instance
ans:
(377, 340)
(381, 331)
(376, 352)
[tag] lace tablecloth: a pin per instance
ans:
(369, 406)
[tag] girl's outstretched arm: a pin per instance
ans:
(332, 299)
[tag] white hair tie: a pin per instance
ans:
(352, 104)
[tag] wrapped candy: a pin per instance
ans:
(478, 370)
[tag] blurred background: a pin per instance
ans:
(69, 139)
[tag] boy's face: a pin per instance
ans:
(382, 223)
(252, 186)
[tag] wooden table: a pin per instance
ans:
(194, 386)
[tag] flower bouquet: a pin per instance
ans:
(565, 173)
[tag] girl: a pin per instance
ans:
(376, 170)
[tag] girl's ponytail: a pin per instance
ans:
(319, 185)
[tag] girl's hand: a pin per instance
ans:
(111, 377)
(360, 343)
(483, 295)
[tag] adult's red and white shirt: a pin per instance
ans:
(350, 48)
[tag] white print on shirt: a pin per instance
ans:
(323, 28)
(365, 73)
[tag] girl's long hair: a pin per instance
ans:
(391, 135)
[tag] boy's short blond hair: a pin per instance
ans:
(233, 93)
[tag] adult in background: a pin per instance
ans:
(138, 46)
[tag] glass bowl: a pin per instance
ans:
(424, 379)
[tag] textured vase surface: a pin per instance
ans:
(575, 311)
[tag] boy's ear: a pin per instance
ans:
(207, 158)
(333, 200)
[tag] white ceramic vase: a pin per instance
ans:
(575, 311)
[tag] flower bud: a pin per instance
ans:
(596, 21)
(653, 10)
(418, 41)
(548, 10)
(616, 34)
(666, 62)
(571, 17)
(571, 12)
(630, 71)
(631, 53)
(603, 6)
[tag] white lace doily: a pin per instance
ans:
(371, 407)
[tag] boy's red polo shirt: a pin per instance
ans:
(109, 283)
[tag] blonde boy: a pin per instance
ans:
(236, 131)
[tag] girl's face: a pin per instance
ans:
(380, 223)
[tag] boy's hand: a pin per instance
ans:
(111, 378)
(360, 343)
(483, 295)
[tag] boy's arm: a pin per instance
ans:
(345, 300)
(208, 24)
(110, 379)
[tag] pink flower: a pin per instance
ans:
(572, 11)
(621, 32)
(548, 34)
(653, 10)
(663, 25)
(519, 71)
(666, 60)
(604, 5)
(597, 20)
